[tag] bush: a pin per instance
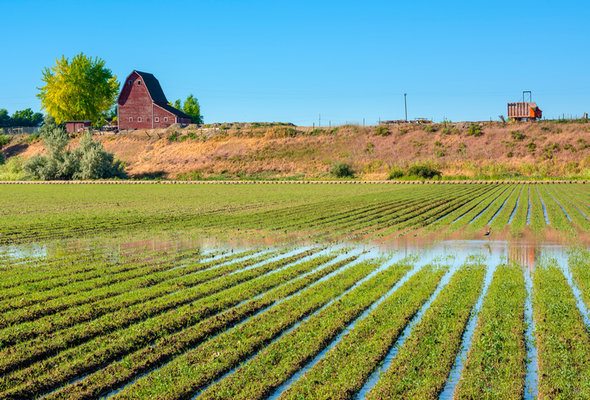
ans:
(382, 130)
(430, 128)
(396, 173)
(342, 170)
(174, 137)
(424, 171)
(518, 135)
(4, 140)
(89, 161)
(12, 170)
(475, 130)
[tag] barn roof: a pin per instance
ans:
(174, 111)
(156, 93)
(153, 86)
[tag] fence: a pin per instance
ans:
(19, 130)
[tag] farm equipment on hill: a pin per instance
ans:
(525, 110)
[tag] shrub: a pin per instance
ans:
(174, 137)
(518, 135)
(396, 173)
(550, 149)
(12, 170)
(89, 161)
(382, 130)
(425, 171)
(462, 149)
(4, 140)
(342, 170)
(431, 128)
(532, 147)
(474, 130)
(95, 162)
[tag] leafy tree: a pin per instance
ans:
(80, 89)
(26, 117)
(191, 108)
(4, 118)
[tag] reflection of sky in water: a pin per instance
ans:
(25, 251)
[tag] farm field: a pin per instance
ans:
(291, 291)
(317, 212)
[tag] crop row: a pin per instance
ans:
(283, 357)
(495, 366)
(26, 324)
(424, 361)
(166, 329)
(562, 338)
(61, 334)
(344, 369)
(194, 369)
(40, 303)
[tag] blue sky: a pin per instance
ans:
(277, 60)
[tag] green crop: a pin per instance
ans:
(495, 366)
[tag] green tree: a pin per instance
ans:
(80, 89)
(191, 108)
(4, 118)
(26, 117)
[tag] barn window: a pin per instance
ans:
(156, 119)
(165, 119)
(138, 119)
(139, 82)
(130, 119)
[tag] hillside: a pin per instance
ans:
(491, 150)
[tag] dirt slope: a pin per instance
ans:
(486, 149)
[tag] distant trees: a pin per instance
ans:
(191, 108)
(89, 161)
(24, 117)
(80, 89)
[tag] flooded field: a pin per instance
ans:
(319, 292)
(166, 319)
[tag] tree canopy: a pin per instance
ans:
(80, 89)
(191, 108)
(24, 117)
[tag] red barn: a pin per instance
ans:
(143, 105)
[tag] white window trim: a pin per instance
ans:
(156, 119)
(165, 119)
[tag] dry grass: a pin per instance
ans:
(285, 151)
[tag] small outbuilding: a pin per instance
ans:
(77, 126)
(143, 105)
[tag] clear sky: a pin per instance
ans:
(275, 60)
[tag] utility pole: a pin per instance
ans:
(406, 105)
(319, 120)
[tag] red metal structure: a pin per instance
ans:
(525, 110)
(143, 105)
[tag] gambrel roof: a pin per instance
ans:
(156, 93)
